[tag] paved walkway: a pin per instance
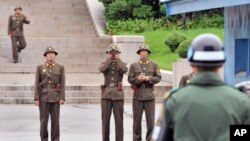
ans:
(78, 123)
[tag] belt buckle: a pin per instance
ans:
(143, 86)
(112, 84)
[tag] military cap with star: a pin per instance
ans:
(49, 49)
(144, 47)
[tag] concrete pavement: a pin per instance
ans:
(78, 123)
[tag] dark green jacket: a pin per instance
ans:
(49, 76)
(15, 24)
(113, 71)
(205, 109)
(145, 89)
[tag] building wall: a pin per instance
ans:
(237, 26)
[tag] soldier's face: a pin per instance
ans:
(18, 11)
(144, 54)
(51, 56)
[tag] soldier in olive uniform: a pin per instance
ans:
(15, 31)
(185, 79)
(143, 75)
(205, 108)
(49, 94)
(112, 92)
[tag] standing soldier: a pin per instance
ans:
(185, 79)
(50, 94)
(112, 92)
(206, 107)
(15, 31)
(143, 75)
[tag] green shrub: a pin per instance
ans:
(106, 2)
(174, 40)
(134, 3)
(118, 10)
(135, 26)
(183, 48)
(143, 12)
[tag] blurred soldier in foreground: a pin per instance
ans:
(206, 107)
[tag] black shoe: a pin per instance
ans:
(15, 61)
(19, 50)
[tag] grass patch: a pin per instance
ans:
(162, 54)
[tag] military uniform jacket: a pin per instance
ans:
(48, 76)
(204, 109)
(113, 71)
(145, 90)
(15, 24)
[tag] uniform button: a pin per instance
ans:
(49, 70)
(144, 68)
(49, 81)
(112, 78)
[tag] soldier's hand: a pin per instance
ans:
(36, 102)
(146, 78)
(61, 102)
(140, 77)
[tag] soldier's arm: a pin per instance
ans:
(157, 77)
(132, 78)
(9, 25)
(26, 20)
(37, 81)
(183, 81)
(104, 66)
(122, 66)
(62, 92)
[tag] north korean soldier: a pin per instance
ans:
(15, 31)
(143, 75)
(205, 108)
(112, 92)
(50, 94)
(185, 79)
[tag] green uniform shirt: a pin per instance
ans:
(15, 24)
(145, 89)
(205, 109)
(48, 77)
(113, 71)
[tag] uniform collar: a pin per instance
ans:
(50, 65)
(144, 62)
(207, 78)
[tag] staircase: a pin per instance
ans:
(66, 25)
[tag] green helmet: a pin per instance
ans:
(48, 50)
(144, 47)
(18, 7)
(113, 48)
(207, 51)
